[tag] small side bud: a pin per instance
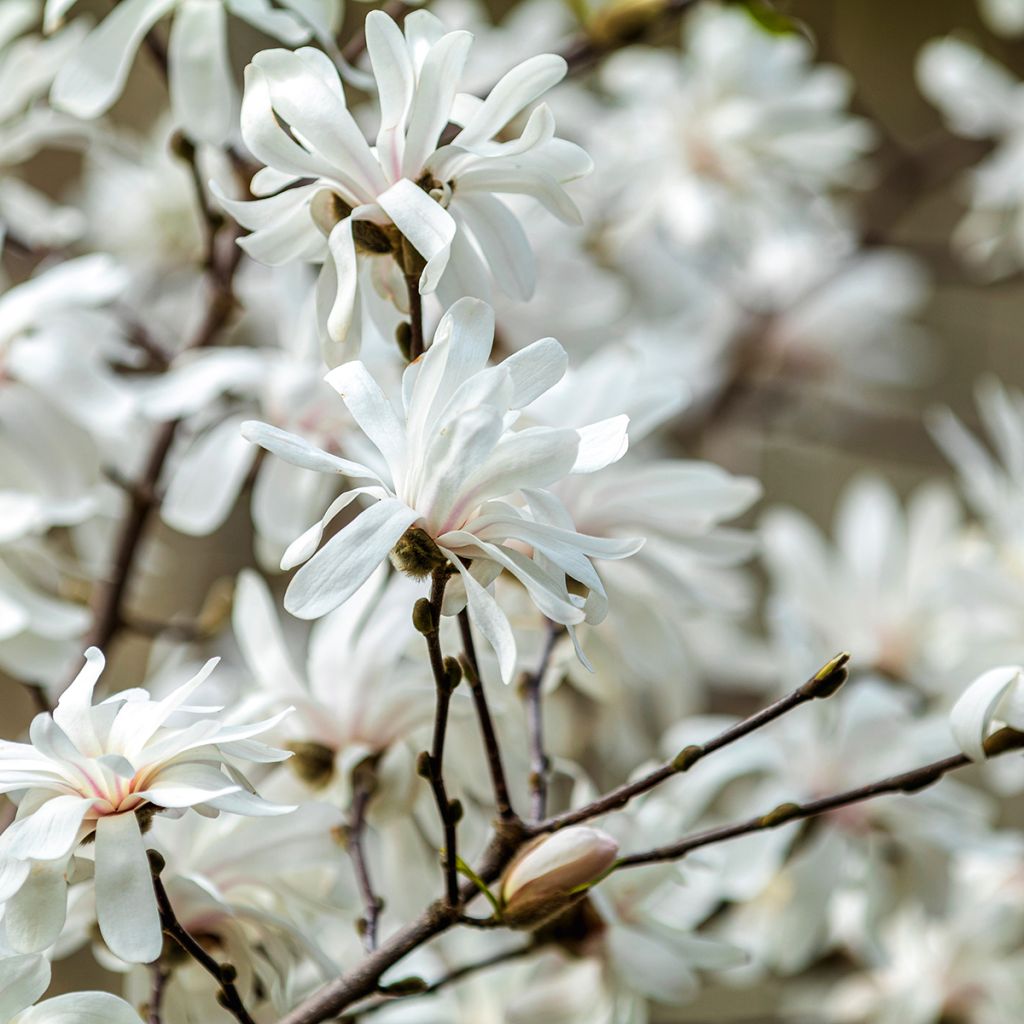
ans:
(552, 873)
(780, 815)
(455, 811)
(228, 973)
(452, 673)
(182, 146)
(423, 616)
(411, 986)
(921, 780)
(424, 765)
(156, 861)
(828, 678)
(416, 554)
(687, 757)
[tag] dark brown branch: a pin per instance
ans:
(906, 782)
(364, 784)
(158, 977)
(431, 765)
(417, 344)
(356, 45)
(223, 974)
(471, 669)
(531, 688)
(823, 683)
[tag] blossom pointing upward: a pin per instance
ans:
(100, 771)
(370, 200)
(457, 483)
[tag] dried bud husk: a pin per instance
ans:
(371, 238)
(552, 873)
(424, 765)
(312, 762)
(416, 554)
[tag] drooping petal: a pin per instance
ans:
(298, 451)
(35, 914)
(502, 240)
(94, 76)
(23, 979)
(972, 713)
(125, 902)
(201, 84)
(346, 561)
(81, 1008)
(49, 832)
(425, 223)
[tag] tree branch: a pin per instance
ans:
(431, 765)
(471, 669)
(906, 782)
(540, 764)
(417, 345)
(158, 976)
(364, 785)
(822, 684)
(223, 974)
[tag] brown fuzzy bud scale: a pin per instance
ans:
(416, 554)
(312, 762)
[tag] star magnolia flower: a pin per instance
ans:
(995, 696)
(203, 94)
(447, 463)
(363, 199)
(23, 979)
(100, 771)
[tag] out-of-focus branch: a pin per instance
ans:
(364, 785)
(540, 763)
(823, 683)
(471, 670)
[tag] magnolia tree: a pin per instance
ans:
(513, 720)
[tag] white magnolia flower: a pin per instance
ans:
(27, 66)
(365, 199)
(203, 95)
(744, 126)
(98, 772)
(23, 979)
(996, 696)
(980, 99)
(450, 466)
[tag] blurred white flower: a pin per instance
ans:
(365, 200)
(981, 99)
(1005, 17)
(98, 772)
(744, 126)
(995, 696)
(203, 96)
(445, 472)
(23, 979)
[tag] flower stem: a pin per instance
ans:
(223, 974)
(540, 763)
(364, 785)
(417, 345)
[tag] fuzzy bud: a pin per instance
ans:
(423, 616)
(452, 673)
(416, 554)
(552, 873)
(312, 762)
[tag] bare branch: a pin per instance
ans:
(540, 764)
(364, 786)
(823, 683)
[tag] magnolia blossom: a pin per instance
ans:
(99, 772)
(980, 99)
(450, 468)
(23, 979)
(203, 95)
(408, 189)
(744, 127)
(995, 696)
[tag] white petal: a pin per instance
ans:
(95, 74)
(346, 272)
(23, 979)
(259, 636)
(81, 1008)
(601, 444)
(393, 72)
(488, 617)
(373, 412)
(201, 84)
(299, 452)
(50, 831)
(35, 915)
(208, 480)
(73, 712)
(425, 223)
(502, 240)
(972, 714)
(125, 902)
(346, 561)
(302, 548)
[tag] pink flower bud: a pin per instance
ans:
(542, 880)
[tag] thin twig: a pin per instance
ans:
(158, 977)
(431, 766)
(540, 763)
(471, 669)
(356, 45)
(39, 697)
(223, 974)
(905, 782)
(822, 684)
(364, 787)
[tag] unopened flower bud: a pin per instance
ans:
(452, 672)
(423, 616)
(312, 762)
(552, 873)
